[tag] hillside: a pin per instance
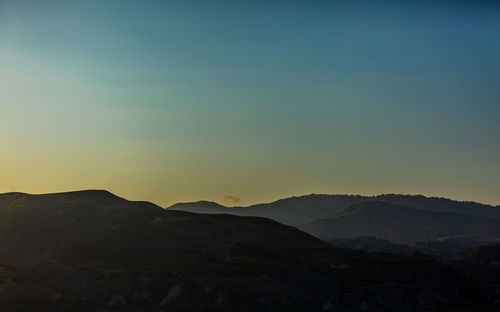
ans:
(32, 224)
(303, 209)
(481, 265)
(400, 224)
(440, 248)
(292, 211)
(92, 250)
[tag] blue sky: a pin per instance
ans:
(182, 100)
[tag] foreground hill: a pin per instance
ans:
(478, 260)
(400, 224)
(300, 210)
(481, 265)
(32, 224)
(92, 250)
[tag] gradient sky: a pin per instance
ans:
(184, 100)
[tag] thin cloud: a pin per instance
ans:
(230, 200)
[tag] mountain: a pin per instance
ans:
(442, 204)
(292, 211)
(32, 224)
(482, 255)
(92, 250)
(303, 209)
(481, 265)
(442, 248)
(400, 224)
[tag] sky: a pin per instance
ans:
(243, 102)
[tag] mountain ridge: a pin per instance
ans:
(298, 210)
(83, 251)
(374, 197)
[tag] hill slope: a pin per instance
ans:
(292, 211)
(400, 224)
(84, 251)
(303, 209)
(32, 224)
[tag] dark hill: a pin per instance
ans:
(481, 255)
(32, 224)
(400, 224)
(440, 248)
(303, 209)
(292, 211)
(442, 204)
(86, 251)
(480, 264)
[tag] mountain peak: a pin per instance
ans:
(203, 204)
(86, 194)
(90, 194)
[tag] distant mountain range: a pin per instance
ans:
(92, 250)
(398, 218)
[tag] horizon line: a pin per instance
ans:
(246, 206)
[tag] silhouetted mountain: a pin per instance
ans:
(442, 248)
(400, 224)
(482, 255)
(84, 251)
(32, 224)
(292, 211)
(303, 209)
(442, 204)
(481, 265)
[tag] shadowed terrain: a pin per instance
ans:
(399, 218)
(91, 249)
(400, 224)
(303, 209)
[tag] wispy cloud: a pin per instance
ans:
(229, 200)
